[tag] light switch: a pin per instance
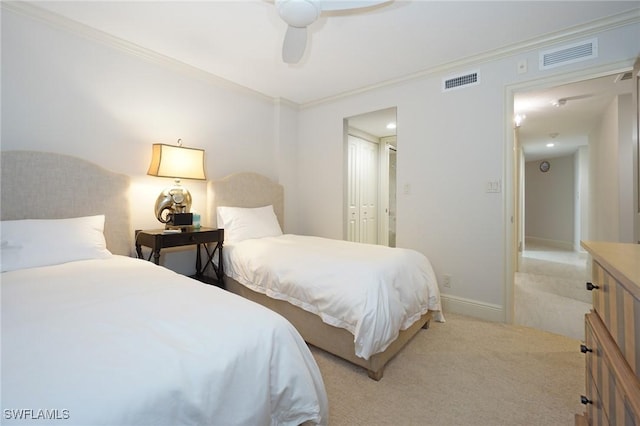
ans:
(494, 186)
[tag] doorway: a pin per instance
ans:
(559, 141)
(370, 185)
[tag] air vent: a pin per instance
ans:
(623, 77)
(569, 54)
(459, 81)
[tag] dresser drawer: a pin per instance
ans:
(612, 388)
(619, 309)
(596, 416)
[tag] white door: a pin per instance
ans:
(362, 194)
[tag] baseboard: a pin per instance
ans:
(566, 245)
(472, 308)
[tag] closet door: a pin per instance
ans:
(362, 191)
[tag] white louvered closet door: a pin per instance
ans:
(362, 191)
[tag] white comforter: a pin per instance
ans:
(122, 341)
(372, 291)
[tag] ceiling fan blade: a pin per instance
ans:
(575, 98)
(295, 42)
(332, 5)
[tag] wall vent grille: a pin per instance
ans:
(464, 80)
(623, 76)
(569, 54)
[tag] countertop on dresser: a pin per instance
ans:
(620, 259)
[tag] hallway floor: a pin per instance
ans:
(550, 290)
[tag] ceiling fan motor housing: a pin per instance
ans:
(299, 13)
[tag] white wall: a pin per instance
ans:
(626, 211)
(581, 228)
(450, 145)
(65, 92)
(550, 202)
(603, 146)
(611, 165)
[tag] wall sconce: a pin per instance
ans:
(174, 203)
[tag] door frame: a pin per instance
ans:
(512, 221)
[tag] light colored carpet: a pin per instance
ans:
(463, 372)
(550, 290)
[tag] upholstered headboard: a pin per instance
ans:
(42, 185)
(244, 190)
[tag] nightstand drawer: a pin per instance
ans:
(204, 236)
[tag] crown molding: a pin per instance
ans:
(25, 8)
(60, 22)
(584, 30)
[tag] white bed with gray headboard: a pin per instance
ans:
(91, 335)
(274, 270)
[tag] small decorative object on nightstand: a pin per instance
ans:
(158, 239)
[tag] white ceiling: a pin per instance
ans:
(568, 125)
(241, 41)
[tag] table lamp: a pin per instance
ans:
(175, 161)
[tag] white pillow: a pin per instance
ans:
(241, 223)
(31, 243)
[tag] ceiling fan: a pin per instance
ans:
(563, 101)
(299, 14)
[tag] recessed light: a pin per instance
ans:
(550, 145)
(391, 126)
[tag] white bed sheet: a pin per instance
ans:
(373, 291)
(122, 341)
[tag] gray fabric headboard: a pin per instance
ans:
(244, 190)
(42, 185)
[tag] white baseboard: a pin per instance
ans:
(472, 308)
(566, 245)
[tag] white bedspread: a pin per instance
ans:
(373, 291)
(122, 341)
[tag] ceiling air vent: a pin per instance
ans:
(569, 54)
(623, 77)
(465, 80)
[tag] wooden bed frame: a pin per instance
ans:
(254, 190)
(45, 185)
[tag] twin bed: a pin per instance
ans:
(93, 336)
(99, 337)
(360, 302)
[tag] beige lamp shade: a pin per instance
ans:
(177, 162)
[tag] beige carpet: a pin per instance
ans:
(463, 372)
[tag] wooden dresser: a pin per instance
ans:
(612, 336)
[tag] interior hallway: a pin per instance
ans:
(550, 290)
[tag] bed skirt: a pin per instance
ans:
(337, 341)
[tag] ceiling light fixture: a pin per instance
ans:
(518, 119)
(391, 126)
(550, 145)
(559, 102)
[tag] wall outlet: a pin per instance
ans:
(446, 280)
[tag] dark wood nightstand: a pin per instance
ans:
(157, 239)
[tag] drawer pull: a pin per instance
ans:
(584, 349)
(591, 287)
(584, 400)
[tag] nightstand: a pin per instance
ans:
(209, 238)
